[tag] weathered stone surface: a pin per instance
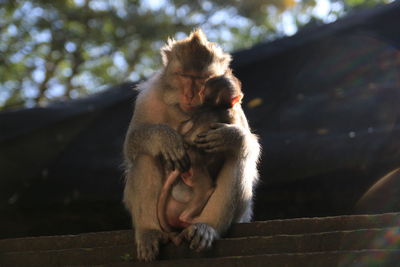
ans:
(329, 241)
(380, 258)
(315, 225)
(333, 258)
(264, 228)
(102, 239)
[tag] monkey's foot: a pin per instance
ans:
(174, 238)
(148, 244)
(199, 235)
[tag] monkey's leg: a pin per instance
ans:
(224, 205)
(196, 205)
(143, 184)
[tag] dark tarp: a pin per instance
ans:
(325, 103)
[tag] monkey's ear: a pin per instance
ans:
(166, 51)
(236, 100)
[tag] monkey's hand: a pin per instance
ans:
(199, 235)
(221, 138)
(158, 140)
(172, 148)
(148, 244)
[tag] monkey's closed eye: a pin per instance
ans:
(195, 77)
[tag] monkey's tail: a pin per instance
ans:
(163, 198)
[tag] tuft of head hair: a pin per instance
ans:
(194, 52)
(198, 36)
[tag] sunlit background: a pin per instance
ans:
(56, 50)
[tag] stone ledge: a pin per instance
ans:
(379, 257)
(265, 228)
(296, 242)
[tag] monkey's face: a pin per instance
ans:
(191, 84)
(188, 84)
(189, 64)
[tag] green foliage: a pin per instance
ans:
(363, 3)
(54, 49)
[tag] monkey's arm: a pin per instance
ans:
(232, 198)
(150, 134)
(222, 137)
(233, 137)
(154, 140)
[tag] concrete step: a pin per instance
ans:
(265, 228)
(313, 241)
(381, 258)
(384, 238)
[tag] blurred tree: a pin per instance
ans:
(54, 49)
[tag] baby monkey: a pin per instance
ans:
(175, 209)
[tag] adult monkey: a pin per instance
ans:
(163, 103)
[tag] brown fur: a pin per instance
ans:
(152, 144)
(219, 93)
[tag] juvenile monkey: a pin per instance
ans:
(152, 144)
(219, 95)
